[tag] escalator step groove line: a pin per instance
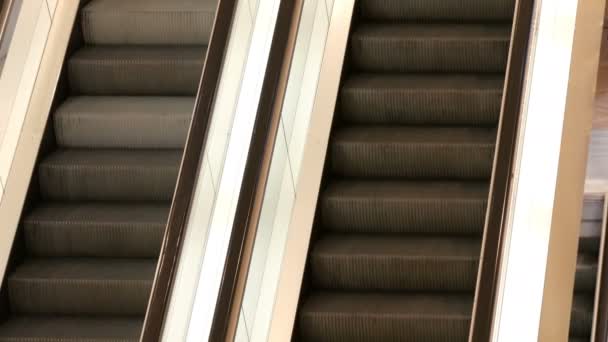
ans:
(396, 247)
(92, 237)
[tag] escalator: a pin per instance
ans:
(582, 316)
(396, 244)
(86, 251)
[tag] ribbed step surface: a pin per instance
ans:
(415, 152)
(581, 316)
(589, 241)
(123, 122)
(148, 22)
(360, 317)
(109, 175)
(586, 273)
(438, 10)
(404, 207)
(461, 99)
(395, 251)
(381, 262)
(82, 286)
(430, 47)
(96, 229)
(136, 70)
(70, 329)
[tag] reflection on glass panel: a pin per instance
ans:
(265, 267)
(205, 194)
(21, 52)
(9, 30)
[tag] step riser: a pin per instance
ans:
(71, 329)
(72, 240)
(362, 328)
(412, 160)
(107, 183)
(137, 132)
(589, 245)
(403, 216)
(398, 106)
(585, 281)
(419, 55)
(438, 10)
(376, 273)
(147, 28)
(580, 323)
(82, 298)
(123, 122)
(135, 78)
(581, 316)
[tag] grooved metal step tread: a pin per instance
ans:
(71, 286)
(141, 22)
(416, 47)
(413, 152)
(439, 99)
(82, 174)
(95, 229)
(389, 262)
(586, 273)
(70, 329)
(404, 206)
(438, 10)
(363, 317)
(136, 70)
(123, 122)
(581, 315)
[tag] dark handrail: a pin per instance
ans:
(184, 191)
(601, 313)
(494, 230)
(249, 205)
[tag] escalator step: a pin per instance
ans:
(388, 262)
(140, 22)
(81, 286)
(95, 229)
(422, 99)
(589, 241)
(462, 10)
(140, 175)
(414, 152)
(136, 70)
(430, 47)
(123, 122)
(70, 329)
(404, 207)
(363, 317)
(581, 316)
(586, 273)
